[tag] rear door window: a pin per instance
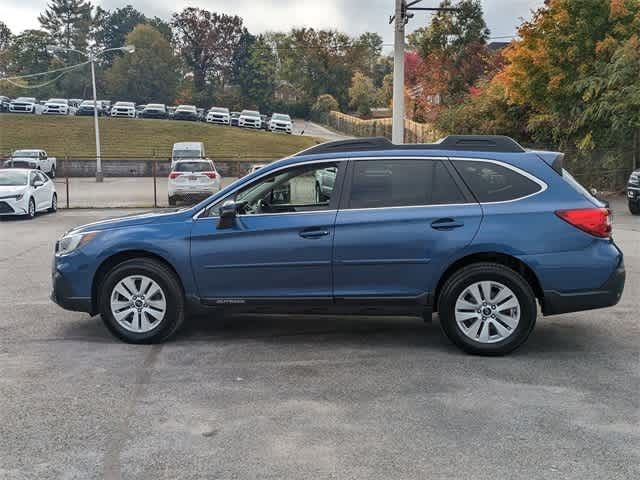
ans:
(402, 183)
(491, 182)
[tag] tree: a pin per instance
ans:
(257, 78)
(68, 22)
(151, 73)
(207, 43)
(5, 41)
(454, 53)
(371, 45)
(362, 94)
(117, 24)
(574, 68)
(26, 54)
(323, 105)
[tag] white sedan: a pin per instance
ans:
(25, 192)
(193, 180)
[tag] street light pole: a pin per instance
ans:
(96, 126)
(91, 56)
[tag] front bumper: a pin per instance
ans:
(221, 121)
(61, 295)
(11, 206)
(21, 109)
(257, 126)
(607, 295)
(123, 114)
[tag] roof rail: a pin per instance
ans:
(481, 143)
(351, 145)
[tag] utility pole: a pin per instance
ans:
(96, 127)
(397, 132)
(92, 56)
(400, 18)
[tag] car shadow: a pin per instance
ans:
(344, 331)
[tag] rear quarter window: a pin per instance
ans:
(491, 182)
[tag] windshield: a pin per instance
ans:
(186, 108)
(155, 105)
(26, 154)
(12, 179)
(58, 100)
(87, 103)
(124, 104)
(219, 110)
(279, 116)
(187, 154)
(251, 113)
(193, 167)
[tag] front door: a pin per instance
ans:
(279, 245)
(399, 222)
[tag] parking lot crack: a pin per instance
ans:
(112, 460)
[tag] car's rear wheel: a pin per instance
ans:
(141, 301)
(54, 204)
(52, 173)
(634, 208)
(487, 309)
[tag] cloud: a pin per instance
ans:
(352, 16)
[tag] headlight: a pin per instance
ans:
(69, 243)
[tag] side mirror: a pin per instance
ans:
(38, 183)
(228, 212)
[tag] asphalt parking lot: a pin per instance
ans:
(253, 397)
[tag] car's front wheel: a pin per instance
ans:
(31, 209)
(634, 208)
(141, 301)
(487, 309)
(52, 173)
(54, 204)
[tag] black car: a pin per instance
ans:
(186, 112)
(4, 103)
(86, 109)
(154, 110)
(234, 118)
(633, 192)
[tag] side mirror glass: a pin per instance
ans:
(228, 212)
(38, 183)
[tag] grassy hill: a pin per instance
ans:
(122, 138)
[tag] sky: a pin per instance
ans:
(351, 16)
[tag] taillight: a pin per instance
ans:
(210, 174)
(174, 175)
(596, 221)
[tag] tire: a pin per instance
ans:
(172, 201)
(171, 291)
(499, 338)
(52, 173)
(32, 209)
(634, 208)
(54, 204)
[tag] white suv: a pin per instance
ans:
(193, 180)
(281, 123)
(219, 115)
(124, 109)
(250, 119)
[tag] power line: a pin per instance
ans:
(48, 72)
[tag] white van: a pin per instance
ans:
(187, 151)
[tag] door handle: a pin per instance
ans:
(446, 224)
(314, 233)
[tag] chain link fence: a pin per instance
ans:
(134, 182)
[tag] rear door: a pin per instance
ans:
(400, 221)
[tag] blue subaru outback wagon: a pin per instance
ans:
(475, 228)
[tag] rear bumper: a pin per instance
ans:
(61, 295)
(606, 296)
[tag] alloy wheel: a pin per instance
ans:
(138, 303)
(487, 312)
